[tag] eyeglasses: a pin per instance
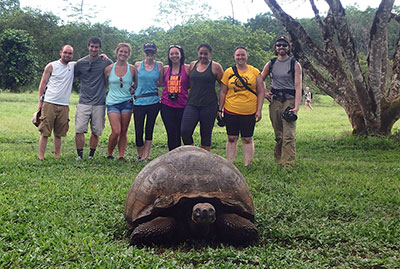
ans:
(121, 83)
(175, 46)
(281, 45)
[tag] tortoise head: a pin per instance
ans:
(203, 213)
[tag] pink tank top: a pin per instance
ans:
(177, 84)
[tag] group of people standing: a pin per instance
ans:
(188, 98)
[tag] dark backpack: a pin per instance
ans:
(292, 64)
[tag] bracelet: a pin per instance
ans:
(219, 110)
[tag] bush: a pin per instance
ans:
(18, 62)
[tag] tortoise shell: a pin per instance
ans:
(187, 172)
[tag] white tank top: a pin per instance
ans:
(59, 86)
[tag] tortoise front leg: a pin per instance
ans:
(161, 230)
(236, 230)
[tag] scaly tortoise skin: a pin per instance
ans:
(190, 193)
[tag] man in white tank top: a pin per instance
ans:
(54, 93)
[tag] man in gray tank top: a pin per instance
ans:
(92, 97)
(285, 92)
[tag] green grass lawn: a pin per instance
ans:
(340, 206)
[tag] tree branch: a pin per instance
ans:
(346, 41)
(327, 58)
(394, 89)
(317, 17)
(396, 17)
(378, 51)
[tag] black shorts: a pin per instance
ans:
(240, 123)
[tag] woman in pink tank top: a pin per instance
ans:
(175, 94)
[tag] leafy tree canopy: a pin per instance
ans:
(18, 62)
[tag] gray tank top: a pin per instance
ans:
(202, 91)
(281, 77)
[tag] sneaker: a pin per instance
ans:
(141, 160)
(121, 159)
(110, 157)
(78, 159)
(90, 157)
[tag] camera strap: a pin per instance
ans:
(177, 81)
(236, 73)
(179, 74)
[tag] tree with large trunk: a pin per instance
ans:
(371, 98)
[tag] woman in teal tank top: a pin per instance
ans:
(119, 79)
(147, 103)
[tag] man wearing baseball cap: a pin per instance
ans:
(285, 97)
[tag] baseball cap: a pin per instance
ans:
(282, 38)
(149, 46)
(36, 118)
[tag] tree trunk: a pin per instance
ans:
(370, 105)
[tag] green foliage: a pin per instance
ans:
(266, 22)
(180, 12)
(47, 42)
(18, 62)
(339, 207)
(49, 33)
(80, 11)
(8, 5)
(223, 38)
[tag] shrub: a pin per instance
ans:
(18, 62)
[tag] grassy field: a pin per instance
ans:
(340, 206)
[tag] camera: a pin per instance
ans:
(289, 116)
(173, 96)
(221, 121)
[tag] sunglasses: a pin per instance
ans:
(67, 52)
(121, 84)
(175, 46)
(240, 47)
(281, 45)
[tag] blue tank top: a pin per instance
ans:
(116, 94)
(147, 92)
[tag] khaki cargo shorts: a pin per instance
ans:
(54, 117)
(93, 114)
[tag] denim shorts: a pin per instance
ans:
(124, 107)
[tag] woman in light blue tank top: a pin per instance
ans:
(119, 78)
(147, 103)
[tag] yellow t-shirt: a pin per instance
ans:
(238, 99)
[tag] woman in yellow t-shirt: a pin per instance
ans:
(241, 97)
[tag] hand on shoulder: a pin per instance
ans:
(187, 68)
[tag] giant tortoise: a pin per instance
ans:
(190, 194)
